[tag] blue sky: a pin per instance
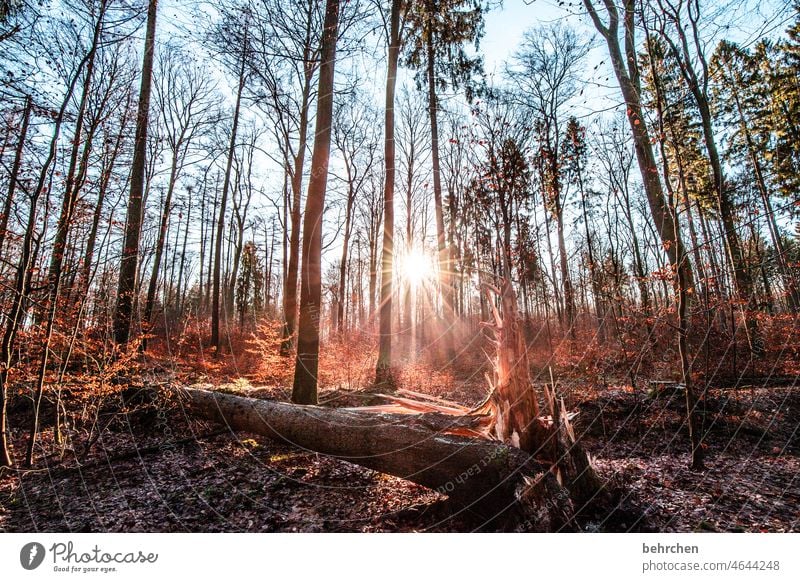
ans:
(505, 26)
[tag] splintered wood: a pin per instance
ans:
(512, 399)
(510, 412)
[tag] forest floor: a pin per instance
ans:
(154, 468)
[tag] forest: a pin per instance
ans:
(399, 265)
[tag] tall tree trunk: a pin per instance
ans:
(304, 390)
(695, 438)
(203, 232)
(638, 261)
(666, 126)
(410, 167)
(270, 262)
(551, 255)
(129, 263)
(169, 297)
(226, 184)
(383, 368)
(24, 270)
(789, 281)
(13, 317)
(102, 190)
(743, 281)
(373, 272)
(290, 291)
(566, 281)
(181, 286)
(445, 266)
(211, 244)
(593, 274)
(627, 75)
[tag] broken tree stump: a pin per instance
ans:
(513, 405)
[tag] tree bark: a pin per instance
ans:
(348, 220)
(304, 390)
(293, 261)
(486, 476)
(445, 264)
(129, 263)
(383, 368)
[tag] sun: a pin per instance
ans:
(416, 267)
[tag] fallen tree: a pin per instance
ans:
(491, 479)
(510, 467)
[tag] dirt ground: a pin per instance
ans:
(155, 469)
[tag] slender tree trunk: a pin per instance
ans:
(162, 237)
(551, 255)
(569, 298)
(129, 264)
(695, 437)
(21, 284)
(181, 285)
(789, 281)
(373, 271)
(304, 390)
(743, 281)
(212, 244)
(91, 241)
(445, 267)
(169, 298)
(203, 233)
(290, 292)
(593, 275)
(626, 71)
(345, 250)
(638, 261)
(70, 199)
(24, 270)
(410, 167)
(226, 184)
(383, 369)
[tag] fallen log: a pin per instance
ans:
(501, 460)
(502, 485)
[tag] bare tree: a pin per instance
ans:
(129, 263)
(304, 390)
(680, 30)
(354, 138)
(545, 76)
(383, 368)
(226, 186)
(187, 102)
(628, 76)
